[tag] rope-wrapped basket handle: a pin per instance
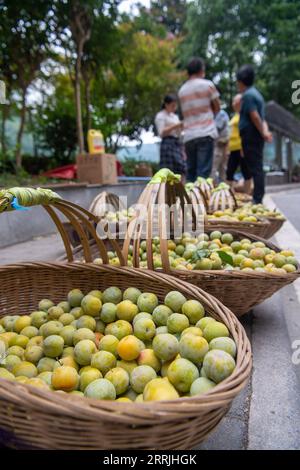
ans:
(82, 221)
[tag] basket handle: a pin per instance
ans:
(83, 222)
(105, 198)
(160, 193)
(234, 198)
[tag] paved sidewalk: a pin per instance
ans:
(39, 249)
(266, 415)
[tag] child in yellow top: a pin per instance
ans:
(236, 159)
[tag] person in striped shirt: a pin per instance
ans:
(199, 103)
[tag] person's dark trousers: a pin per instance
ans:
(234, 162)
(199, 157)
(253, 148)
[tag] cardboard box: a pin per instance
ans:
(97, 168)
(142, 169)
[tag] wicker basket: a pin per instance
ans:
(98, 209)
(206, 186)
(222, 198)
(238, 290)
(242, 198)
(41, 419)
(102, 201)
(83, 224)
(78, 253)
(274, 226)
(197, 197)
(261, 228)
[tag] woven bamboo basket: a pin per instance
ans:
(206, 186)
(31, 417)
(41, 419)
(100, 203)
(78, 253)
(238, 290)
(274, 225)
(197, 196)
(224, 198)
(242, 198)
(261, 228)
(98, 208)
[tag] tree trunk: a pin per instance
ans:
(18, 152)
(33, 133)
(5, 114)
(231, 85)
(88, 116)
(81, 31)
(80, 138)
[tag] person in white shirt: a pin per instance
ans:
(199, 102)
(169, 128)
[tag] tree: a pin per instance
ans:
(127, 96)
(280, 30)
(76, 19)
(80, 25)
(7, 77)
(54, 121)
(225, 34)
(25, 35)
(144, 21)
(229, 33)
(169, 13)
(98, 54)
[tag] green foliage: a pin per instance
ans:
(223, 34)
(55, 123)
(25, 37)
(229, 33)
(169, 13)
(25, 31)
(127, 96)
(281, 63)
(227, 258)
(146, 22)
(125, 65)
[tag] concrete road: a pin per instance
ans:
(266, 415)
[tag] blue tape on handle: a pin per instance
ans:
(15, 205)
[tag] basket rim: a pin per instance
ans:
(235, 273)
(224, 391)
(254, 274)
(218, 273)
(275, 219)
(261, 222)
